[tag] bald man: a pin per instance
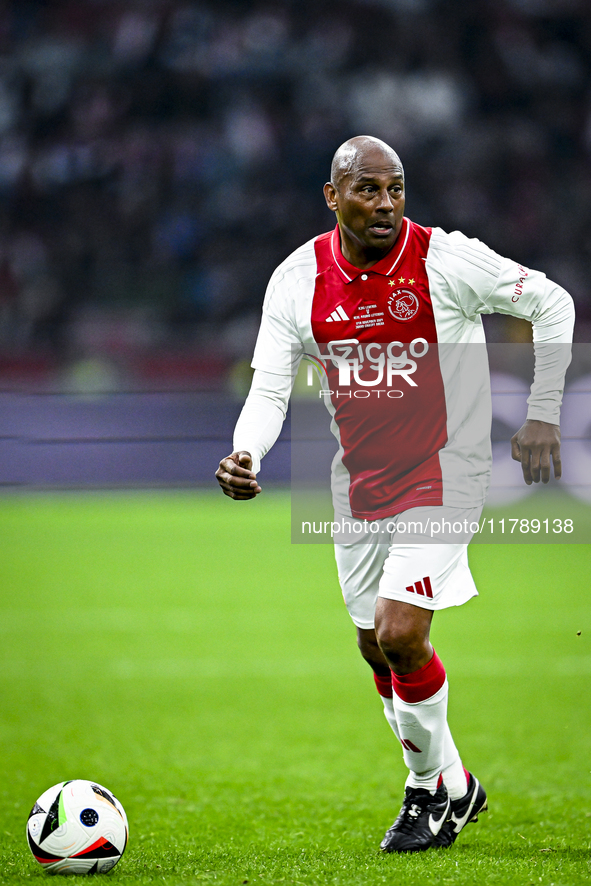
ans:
(391, 312)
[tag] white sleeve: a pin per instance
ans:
(278, 347)
(553, 332)
(486, 283)
(278, 351)
(263, 414)
(521, 292)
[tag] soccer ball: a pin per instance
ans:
(77, 827)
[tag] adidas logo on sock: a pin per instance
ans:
(338, 314)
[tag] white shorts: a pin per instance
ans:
(407, 566)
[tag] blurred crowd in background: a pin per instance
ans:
(158, 158)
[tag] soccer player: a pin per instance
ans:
(397, 307)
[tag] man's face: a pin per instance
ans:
(369, 205)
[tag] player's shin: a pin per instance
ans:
(420, 704)
(384, 687)
(452, 770)
(455, 777)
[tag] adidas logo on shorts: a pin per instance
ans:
(422, 587)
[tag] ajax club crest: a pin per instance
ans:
(403, 304)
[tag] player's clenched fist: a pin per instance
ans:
(236, 477)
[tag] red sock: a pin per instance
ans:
(421, 684)
(383, 685)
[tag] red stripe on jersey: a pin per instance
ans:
(421, 684)
(391, 430)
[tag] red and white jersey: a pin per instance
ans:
(400, 347)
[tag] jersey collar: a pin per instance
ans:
(386, 265)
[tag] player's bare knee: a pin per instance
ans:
(402, 632)
(404, 646)
(370, 650)
(394, 639)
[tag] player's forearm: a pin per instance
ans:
(545, 400)
(262, 416)
(552, 332)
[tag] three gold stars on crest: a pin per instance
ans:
(411, 281)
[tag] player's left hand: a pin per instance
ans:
(535, 445)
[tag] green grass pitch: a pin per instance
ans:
(178, 649)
